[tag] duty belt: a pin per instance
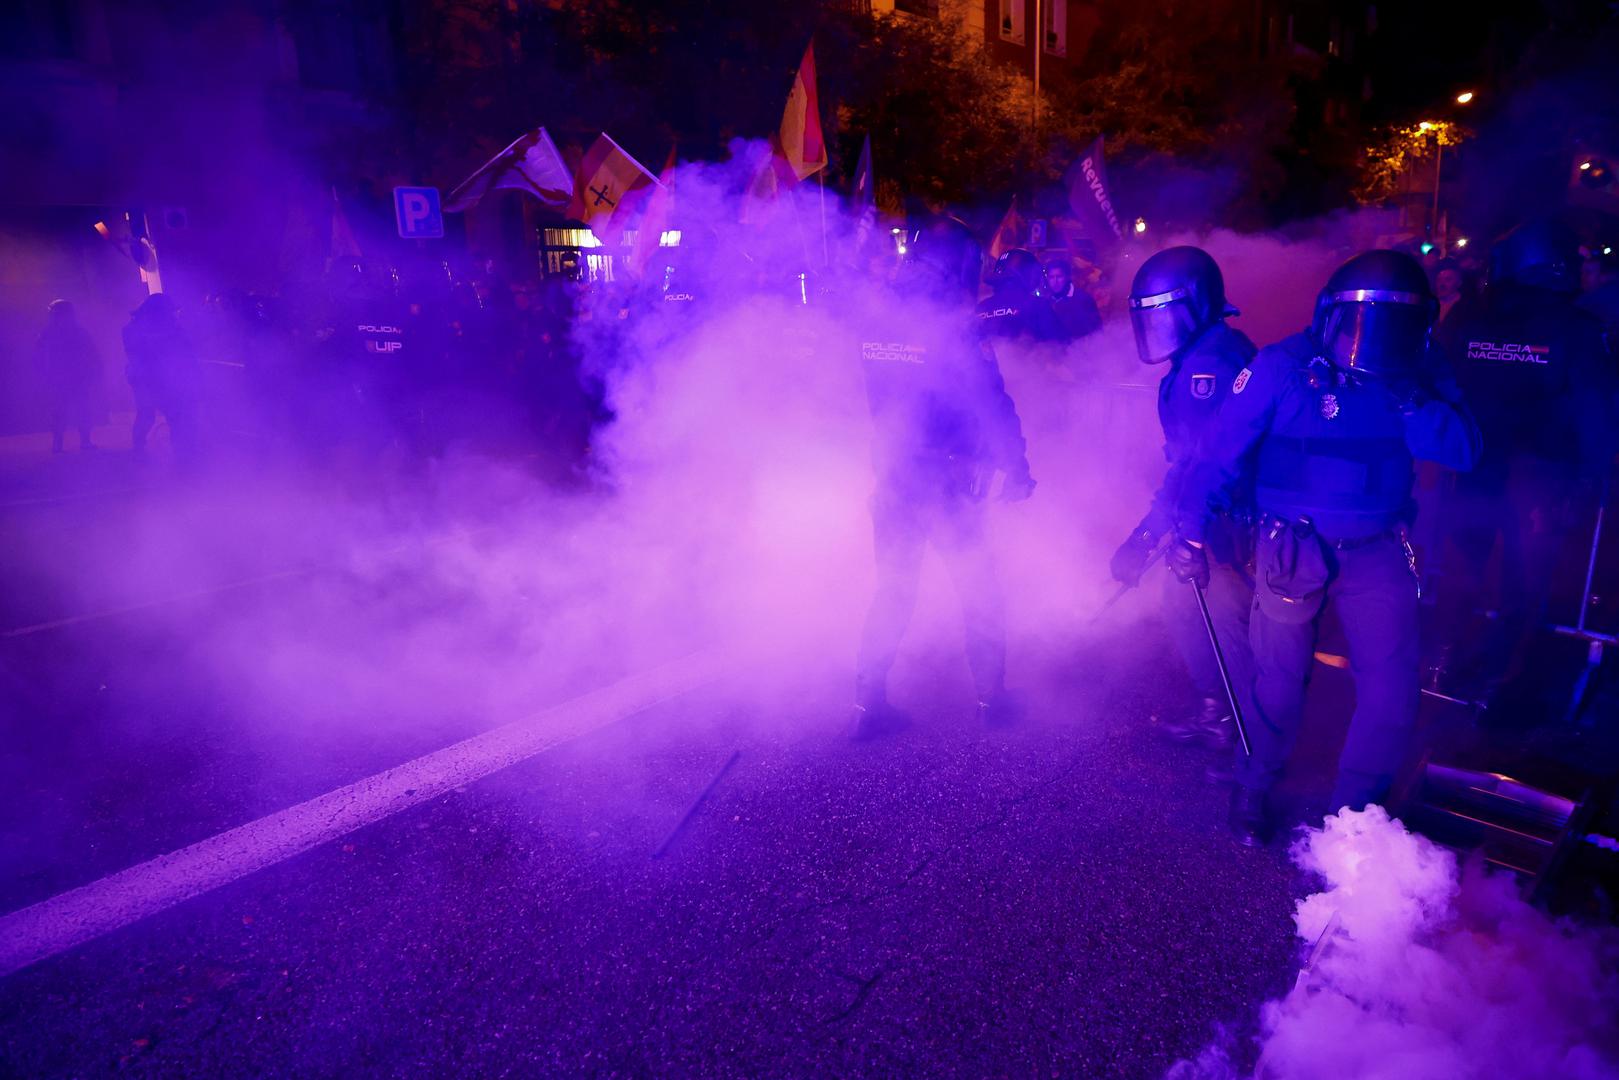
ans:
(1269, 523)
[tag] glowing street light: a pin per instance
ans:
(1585, 166)
(1464, 98)
(1426, 125)
(1141, 226)
(1461, 242)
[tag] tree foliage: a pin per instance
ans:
(1163, 79)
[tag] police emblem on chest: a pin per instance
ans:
(1329, 406)
(1202, 387)
(1241, 382)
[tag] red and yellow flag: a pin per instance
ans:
(800, 137)
(611, 186)
(1009, 234)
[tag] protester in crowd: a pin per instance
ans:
(1076, 312)
(70, 372)
(163, 375)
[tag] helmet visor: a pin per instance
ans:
(1164, 324)
(1376, 334)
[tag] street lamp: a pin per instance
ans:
(1438, 169)
(1464, 98)
(1141, 226)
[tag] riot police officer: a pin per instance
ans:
(1536, 371)
(944, 426)
(1178, 310)
(1332, 421)
(1017, 306)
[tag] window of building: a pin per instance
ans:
(1012, 21)
(1056, 20)
(927, 9)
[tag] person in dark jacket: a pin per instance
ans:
(1076, 312)
(1536, 370)
(943, 428)
(1178, 310)
(1329, 424)
(163, 375)
(70, 372)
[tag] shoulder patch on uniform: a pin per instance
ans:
(1203, 387)
(1240, 383)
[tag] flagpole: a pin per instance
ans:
(1039, 37)
(803, 241)
(826, 253)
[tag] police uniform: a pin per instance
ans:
(1332, 460)
(1536, 371)
(943, 422)
(1011, 314)
(1189, 398)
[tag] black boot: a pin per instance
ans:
(1002, 709)
(1249, 822)
(1209, 726)
(873, 716)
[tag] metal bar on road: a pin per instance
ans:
(691, 811)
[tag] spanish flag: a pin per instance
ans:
(800, 137)
(1009, 234)
(611, 187)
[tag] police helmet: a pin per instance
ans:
(1176, 295)
(1017, 270)
(1375, 313)
(943, 258)
(1542, 254)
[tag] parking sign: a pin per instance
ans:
(416, 209)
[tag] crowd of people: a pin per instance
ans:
(1295, 471)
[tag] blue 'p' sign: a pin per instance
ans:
(417, 211)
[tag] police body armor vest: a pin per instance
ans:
(1335, 453)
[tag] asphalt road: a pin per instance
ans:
(1060, 899)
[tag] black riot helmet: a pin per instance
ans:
(1017, 271)
(943, 259)
(1176, 295)
(1374, 316)
(1542, 254)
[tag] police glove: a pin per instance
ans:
(1188, 562)
(1019, 485)
(1409, 394)
(1130, 561)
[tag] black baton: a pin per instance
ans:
(1225, 672)
(1118, 594)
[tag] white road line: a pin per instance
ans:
(51, 926)
(195, 594)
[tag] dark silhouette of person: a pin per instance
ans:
(162, 371)
(70, 371)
